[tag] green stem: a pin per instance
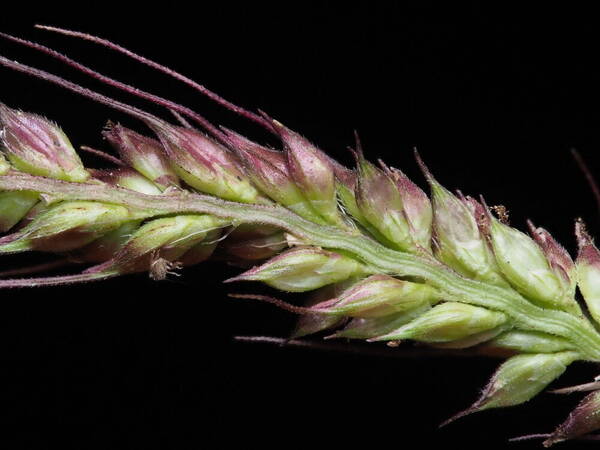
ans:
(524, 314)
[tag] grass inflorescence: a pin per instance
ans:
(383, 260)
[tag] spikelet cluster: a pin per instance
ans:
(383, 260)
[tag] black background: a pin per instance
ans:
(494, 99)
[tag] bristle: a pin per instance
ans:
(591, 180)
(117, 84)
(38, 268)
(180, 119)
(161, 68)
(274, 301)
(46, 76)
(103, 155)
(54, 281)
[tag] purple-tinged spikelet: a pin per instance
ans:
(35, 145)
(583, 420)
(204, 164)
(588, 270)
(312, 172)
(144, 154)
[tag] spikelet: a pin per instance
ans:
(384, 261)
